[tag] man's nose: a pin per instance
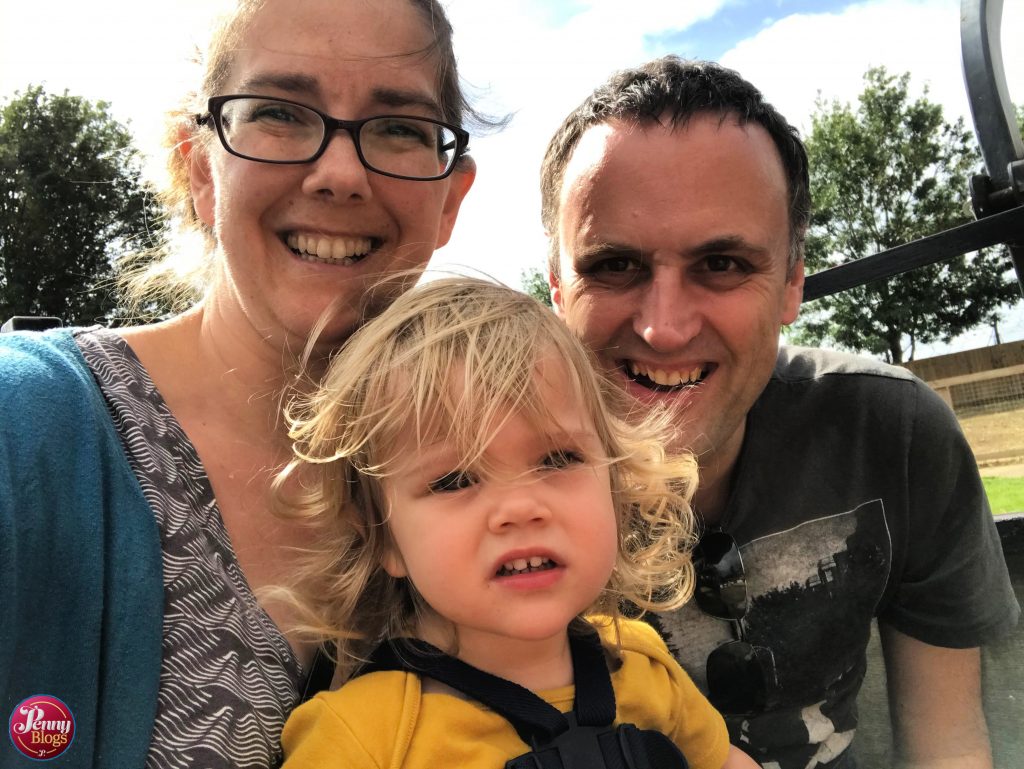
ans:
(668, 316)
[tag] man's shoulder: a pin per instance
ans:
(804, 364)
(852, 390)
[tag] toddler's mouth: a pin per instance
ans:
(525, 566)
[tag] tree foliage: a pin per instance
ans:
(887, 173)
(71, 201)
(535, 283)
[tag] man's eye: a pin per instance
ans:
(719, 263)
(616, 264)
(613, 270)
(453, 481)
(562, 458)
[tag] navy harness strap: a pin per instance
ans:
(534, 720)
(582, 739)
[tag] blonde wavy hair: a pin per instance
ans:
(394, 379)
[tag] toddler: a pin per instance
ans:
(479, 511)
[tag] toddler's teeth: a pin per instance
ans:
(536, 561)
(519, 564)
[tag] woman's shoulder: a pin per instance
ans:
(37, 363)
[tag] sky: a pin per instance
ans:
(534, 60)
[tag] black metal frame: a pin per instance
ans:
(997, 195)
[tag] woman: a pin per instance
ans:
(135, 522)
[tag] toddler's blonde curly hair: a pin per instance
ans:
(392, 380)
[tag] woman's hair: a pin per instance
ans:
(450, 360)
(177, 278)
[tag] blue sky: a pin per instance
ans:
(738, 20)
(535, 59)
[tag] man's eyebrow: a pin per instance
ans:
(731, 243)
(586, 251)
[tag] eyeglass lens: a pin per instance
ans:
(721, 585)
(741, 677)
(269, 129)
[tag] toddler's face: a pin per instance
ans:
(515, 553)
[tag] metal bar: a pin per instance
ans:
(992, 230)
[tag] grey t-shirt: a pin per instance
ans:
(856, 496)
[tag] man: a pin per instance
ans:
(833, 489)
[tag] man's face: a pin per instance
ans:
(673, 268)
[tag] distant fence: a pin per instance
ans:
(1000, 389)
(981, 381)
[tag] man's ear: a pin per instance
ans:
(794, 294)
(459, 183)
(392, 562)
(197, 162)
(557, 300)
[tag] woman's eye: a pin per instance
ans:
(453, 481)
(397, 130)
(562, 459)
(274, 114)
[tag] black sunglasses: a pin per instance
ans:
(741, 676)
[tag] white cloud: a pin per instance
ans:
(800, 55)
(537, 67)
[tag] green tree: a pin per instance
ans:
(71, 201)
(888, 173)
(535, 283)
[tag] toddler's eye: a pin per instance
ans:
(562, 458)
(453, 481)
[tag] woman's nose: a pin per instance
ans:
(338, 172)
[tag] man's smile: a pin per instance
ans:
(663, 379)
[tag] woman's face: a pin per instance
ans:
(351, 59)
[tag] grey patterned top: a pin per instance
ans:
(228, 677)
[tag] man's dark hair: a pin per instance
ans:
(674, 90)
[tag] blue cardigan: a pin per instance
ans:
(81, 595)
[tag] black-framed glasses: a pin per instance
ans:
(741, 676)
(270, 130)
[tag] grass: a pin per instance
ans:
(1005, 495)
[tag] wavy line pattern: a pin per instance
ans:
(228, 677)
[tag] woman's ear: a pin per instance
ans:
(197, 161)
(458, 185)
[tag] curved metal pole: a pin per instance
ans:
(995, 122)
